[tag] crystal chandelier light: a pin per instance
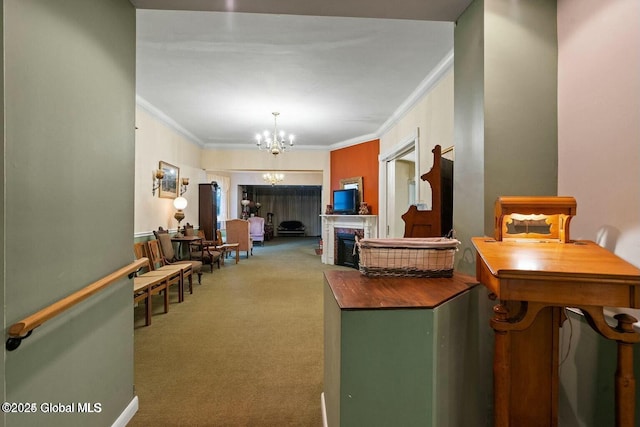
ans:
(275, 143)
(273, 178)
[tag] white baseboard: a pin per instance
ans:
(127, 414)
(324, 410)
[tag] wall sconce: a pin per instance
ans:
(179, 203)
(183, 187)
(157, 176)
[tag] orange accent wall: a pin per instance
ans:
(358, 160)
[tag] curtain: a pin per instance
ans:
(301, 203)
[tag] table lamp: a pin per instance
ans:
(179, 203)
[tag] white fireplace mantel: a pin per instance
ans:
(367, 223)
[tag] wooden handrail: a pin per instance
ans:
(18, 331)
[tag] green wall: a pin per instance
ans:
(521, 101)
(2, 214)
(505, 111)
(587, 374)
(506, 144)
(468, 183)
(409, 367)
(69, 96)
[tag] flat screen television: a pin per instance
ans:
(345, 202)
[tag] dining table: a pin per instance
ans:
(184, 239)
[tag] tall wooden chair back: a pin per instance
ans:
(159, 260)
(140, 251)
(238, 232)
(437, 221)
(154, 253)
(166, 245)
(189, 230)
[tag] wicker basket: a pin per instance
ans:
(408, 257)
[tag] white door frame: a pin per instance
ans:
(412, 142)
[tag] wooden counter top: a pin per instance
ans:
(577, 258)
(352, 290)
(566, 274)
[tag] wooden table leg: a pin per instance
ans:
(526, 346)
(625, 380)
(501, 369)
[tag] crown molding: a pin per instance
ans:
(354, 141)
(167, 121)
(432, 79)
(230, 146)
(438, 72)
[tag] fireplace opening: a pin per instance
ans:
(345, 245)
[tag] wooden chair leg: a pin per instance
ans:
(166, 299)
(148, 309)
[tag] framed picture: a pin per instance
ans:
(169, 184)
(355, 182)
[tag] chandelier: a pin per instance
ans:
(273, 178)
(275, 143)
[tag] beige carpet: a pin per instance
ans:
(246, 349)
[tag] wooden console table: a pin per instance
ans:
(533, 282)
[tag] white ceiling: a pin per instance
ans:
(216, 77)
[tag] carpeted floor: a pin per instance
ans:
(246, 349)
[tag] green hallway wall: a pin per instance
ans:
(68, 150)
(505, 111)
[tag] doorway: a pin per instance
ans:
(399, 184)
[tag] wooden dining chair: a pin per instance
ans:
(145, 285)
(181, 270)
(141, 249)
(205, 253)
(219, 245)
(142, 292)
(168, 255)
(202, 250)
(189, 230)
